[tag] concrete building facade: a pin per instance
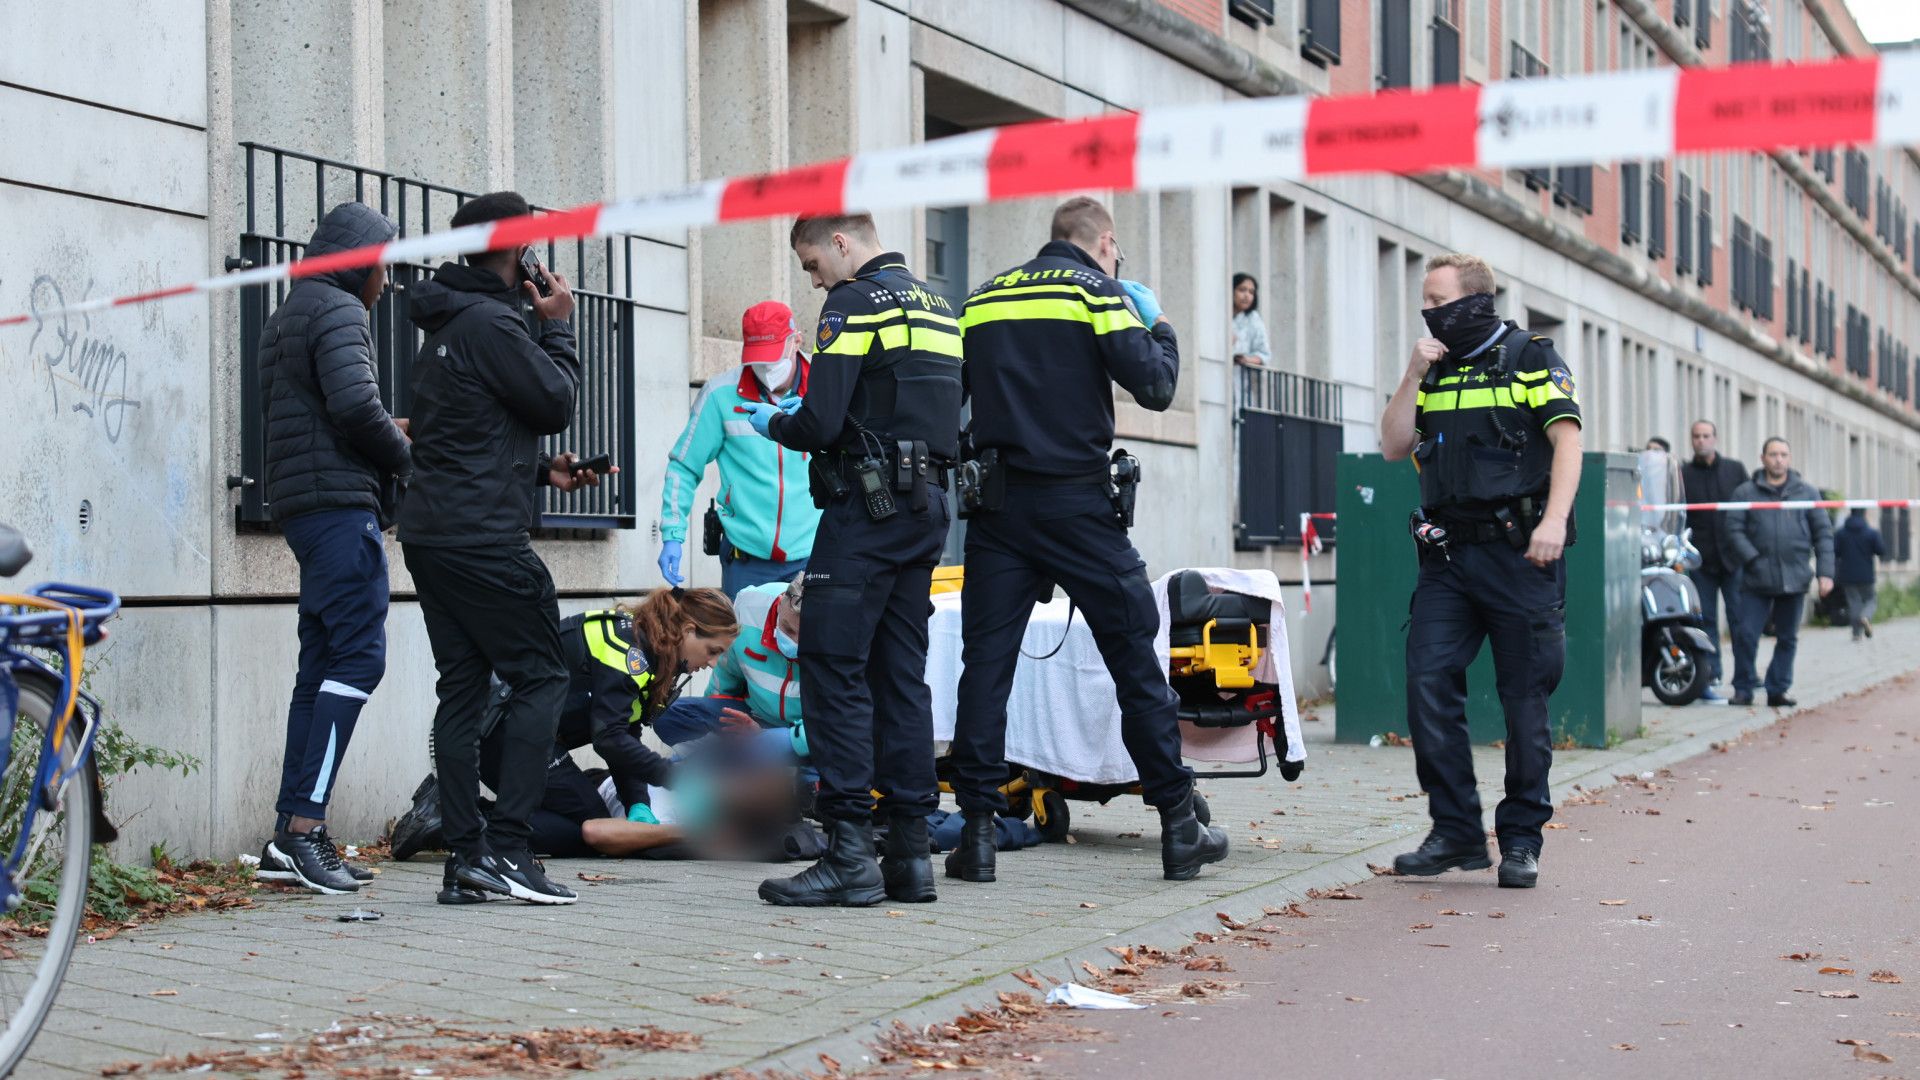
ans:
(1771, 293)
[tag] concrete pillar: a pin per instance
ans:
(307, 77)
(743, 101)
(450, 94)
(823, 112)
(563, 133)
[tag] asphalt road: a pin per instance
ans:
(1658, 944)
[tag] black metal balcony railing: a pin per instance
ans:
(280, 217)
(1290, 436)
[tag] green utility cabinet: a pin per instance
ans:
(1599, 696)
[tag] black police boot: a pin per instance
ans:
(907, 868)
(419, 828)
(972, 858)
(1519, 868)
(846, 876)
(1185, 844)
(1437, 855)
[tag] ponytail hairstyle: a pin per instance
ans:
(664, 618)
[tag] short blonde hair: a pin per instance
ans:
(1474, 273)
(1081, 219)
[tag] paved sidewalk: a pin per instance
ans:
(641, 948)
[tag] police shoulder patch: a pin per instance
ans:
(830, 324)
(636, 661)
(1562, 378)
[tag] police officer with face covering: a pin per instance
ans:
(1488, 413)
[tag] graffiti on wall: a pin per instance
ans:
(87, 373)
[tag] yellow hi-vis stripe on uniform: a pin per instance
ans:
(931, 318)
(1537, 396)
(1093, 299)
(1450, 400)
(1058, 309)
(938, 340)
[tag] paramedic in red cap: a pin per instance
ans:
(763, 507)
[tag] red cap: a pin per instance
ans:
(765, 330)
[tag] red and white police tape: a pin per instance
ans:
(1310, 537)
(1520, 122)
(1789, 504)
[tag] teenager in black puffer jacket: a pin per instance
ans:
(331, 449)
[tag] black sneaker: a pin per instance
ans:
(477, 873)
(419, 828)
(1519, 868)
(527, 880)
(313, 860)
(273, 868)
(1437, 855)
(1743, 697)
(1780, 701)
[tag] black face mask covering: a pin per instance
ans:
(1463, 325)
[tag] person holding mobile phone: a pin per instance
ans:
(485, 391)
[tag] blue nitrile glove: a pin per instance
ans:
(799, 736)
(1144, 300)
(670, 562)
(760, 413)
(642, 813)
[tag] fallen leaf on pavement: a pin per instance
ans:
(163, 993)
(1027, 977)
(1884, 977)
(1801, 956)
(1644, 918)
(1496, 914)
(1093, 973)
(1340, 894)
(594, 879)
(1858, 881)
(1554, 825)
(1625, 1046)
(1228, 921)
(1853, 1042)
(1421, 926)
(1613, 903)
(1450, 911)
(1861, 1053)
(1291, 911)
(896, 914)
(832, 1065)
(1838, 994)
(1088, 904)
(1436, 945)
(1207, 963)
(1836, 971)
(1382, 871)
(721, 997)
(1361, 1000)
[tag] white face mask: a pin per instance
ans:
(775, 374)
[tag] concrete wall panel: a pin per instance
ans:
(151, 676)
(650, 95)
(136, 160)
(109, 408)
(148, 56)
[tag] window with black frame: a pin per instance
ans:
(286, 192)
(1290, 435)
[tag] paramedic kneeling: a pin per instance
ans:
(1044, 344)
(1480, 410)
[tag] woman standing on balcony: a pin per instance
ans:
(1249, 329)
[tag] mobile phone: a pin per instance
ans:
(530, 269)
(598, 463)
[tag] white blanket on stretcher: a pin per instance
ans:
(1062, 717)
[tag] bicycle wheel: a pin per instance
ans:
(59, 853)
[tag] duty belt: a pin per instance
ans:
(1027, 478)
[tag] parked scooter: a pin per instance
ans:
(1673, 647)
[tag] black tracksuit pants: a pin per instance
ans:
(863, 657)
(1066, 535)
(491, 610)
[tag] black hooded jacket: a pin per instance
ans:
(330, 441)
(484, 393)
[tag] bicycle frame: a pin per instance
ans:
(65, 618)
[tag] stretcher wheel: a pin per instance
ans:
(1201, 810)
(1020, 806)
(1053, 807)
